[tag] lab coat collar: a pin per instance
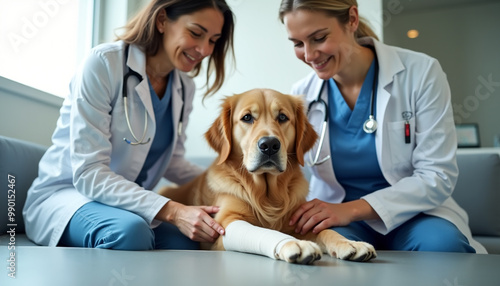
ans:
(136, 60)
(389, 62)
(315, 85)
(176, 83)
(177, 101)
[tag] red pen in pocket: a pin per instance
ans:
(407, 132)
(406, 116)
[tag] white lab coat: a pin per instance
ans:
(89, 161)
(422, 174)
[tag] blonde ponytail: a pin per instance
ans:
(364, 30)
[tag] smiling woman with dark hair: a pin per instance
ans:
(121, 129)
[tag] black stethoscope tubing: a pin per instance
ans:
(125, 102)
(371, 117)
(369, 126)
(316, 160)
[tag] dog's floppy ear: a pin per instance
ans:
(220, 133)
(305, 136)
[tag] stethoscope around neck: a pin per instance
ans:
(369, 126)
(139, 77)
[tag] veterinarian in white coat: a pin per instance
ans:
(94, 184)
(397, 196)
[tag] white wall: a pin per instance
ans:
(27, 113)
(264, 59)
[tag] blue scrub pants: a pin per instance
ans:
(421, 233)
(96, 225)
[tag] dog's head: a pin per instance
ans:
(262, 128)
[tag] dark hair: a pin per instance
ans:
(334, 8)
(141, 31)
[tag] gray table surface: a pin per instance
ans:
(78, 266)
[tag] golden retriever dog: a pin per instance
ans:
(261, 137)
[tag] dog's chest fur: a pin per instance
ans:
(271, 198)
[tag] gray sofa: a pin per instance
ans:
(477, 190)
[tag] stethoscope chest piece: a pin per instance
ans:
(370, 125)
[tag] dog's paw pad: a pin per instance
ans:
(355, 251)
(300, 252)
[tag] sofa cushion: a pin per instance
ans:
(19, 162)
(478, 189)
(492, 244)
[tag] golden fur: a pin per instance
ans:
(262, 188)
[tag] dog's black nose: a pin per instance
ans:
(269, 145)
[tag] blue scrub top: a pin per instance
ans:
(164, 128)
(354, 157)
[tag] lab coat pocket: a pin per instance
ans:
(401, 147)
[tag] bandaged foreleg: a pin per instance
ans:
(244, 237)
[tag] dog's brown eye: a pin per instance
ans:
(247, 118)
(282, 118)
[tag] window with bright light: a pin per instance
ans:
(43, 41)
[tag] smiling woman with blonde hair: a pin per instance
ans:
(386, 167)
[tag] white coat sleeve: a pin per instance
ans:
(93, 91)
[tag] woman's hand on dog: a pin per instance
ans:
(194, 222)
(317, 215)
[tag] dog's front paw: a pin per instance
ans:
(300, 251)
(353, 250)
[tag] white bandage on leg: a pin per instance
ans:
(244, 237)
